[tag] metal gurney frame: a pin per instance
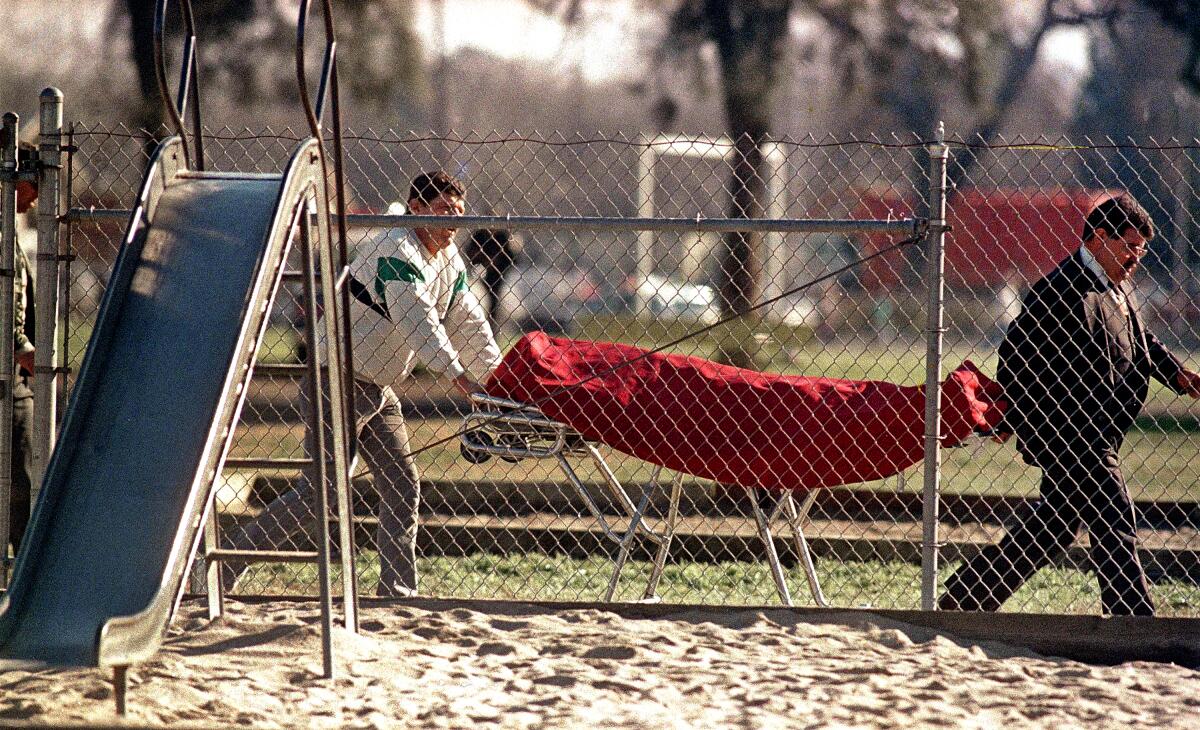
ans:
(513, 431)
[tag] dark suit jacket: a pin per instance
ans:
(1076, 368)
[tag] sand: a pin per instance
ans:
(259, 666)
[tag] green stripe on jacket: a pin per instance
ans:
(390, 268)
(460, 286)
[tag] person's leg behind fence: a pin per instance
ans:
(1112, 524)
(383, 443)
(22, 471)
(290, 517)
(987, 580)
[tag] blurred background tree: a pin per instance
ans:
(247, 46)
(912, 62)
(750, 37)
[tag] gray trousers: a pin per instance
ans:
(383, 445)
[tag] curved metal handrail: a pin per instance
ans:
(189, 81)
(328, 88)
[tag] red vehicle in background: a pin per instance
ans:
(996, 235)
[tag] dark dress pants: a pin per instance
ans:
(22, 471)
(1089, 493)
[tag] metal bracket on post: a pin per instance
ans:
(935, 311)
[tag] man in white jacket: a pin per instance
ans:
(412, 304)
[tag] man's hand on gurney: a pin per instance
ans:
(467, 386)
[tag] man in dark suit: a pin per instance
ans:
(497, 251)
(1075, 366)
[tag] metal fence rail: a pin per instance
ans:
(619, 241)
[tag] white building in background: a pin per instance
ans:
(602, 44)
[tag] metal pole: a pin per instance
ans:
(643, 263)
(62, 316)
(8, 247)
(773, 241)
(901, 226)
(935, 255)
(319, 444)
(46, 324)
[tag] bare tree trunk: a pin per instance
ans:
(740, 274)
(750, 37)
(148, 113)
(1021, 61)
(740, 267)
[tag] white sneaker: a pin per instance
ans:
(395, 591)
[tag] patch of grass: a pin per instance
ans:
(278, 345)
(269, 440)
(874, 584)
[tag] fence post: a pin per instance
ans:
(8, 247)
(935, 259)
(643, 264)
(46, 311)
(774, 255)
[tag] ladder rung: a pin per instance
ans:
(264, 556)
(252, 463)
(280, 369)
(293, 276)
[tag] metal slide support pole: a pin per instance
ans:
(320, 445)
(342, 426)
(936, 259)
(8, 246)
(121, 689)
(762, 517)
(46, 325)
(210, 575)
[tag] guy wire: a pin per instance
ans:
(695, 333)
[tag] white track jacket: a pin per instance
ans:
(434, 317)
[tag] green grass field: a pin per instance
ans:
(849, 584)
(278, 346)
(1160, 466)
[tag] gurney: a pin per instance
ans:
(514, 431)
(774, 435)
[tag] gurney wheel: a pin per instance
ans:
(473, 456)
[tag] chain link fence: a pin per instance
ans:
(519, 528)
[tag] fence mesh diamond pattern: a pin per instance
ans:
(539, 528)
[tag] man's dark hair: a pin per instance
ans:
(27, 153)
(428, 185)
(1116, 216)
